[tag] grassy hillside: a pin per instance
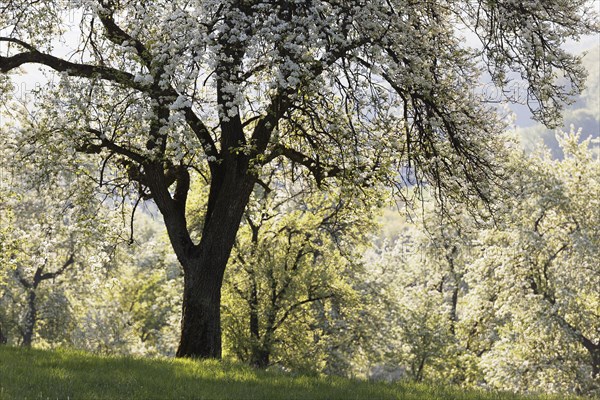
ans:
(39, 374)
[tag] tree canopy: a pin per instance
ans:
(349, 92)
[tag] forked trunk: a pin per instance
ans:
(204, 269)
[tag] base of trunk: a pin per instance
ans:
(259, 358)
(201, 319)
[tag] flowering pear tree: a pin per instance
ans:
(345, 90)
(544, 263)
(131, 305)
(510, 303)
(49, 227)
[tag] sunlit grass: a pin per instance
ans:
(40, 374)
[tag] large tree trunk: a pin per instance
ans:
(204, 269)
(594, 351)
(201, 316)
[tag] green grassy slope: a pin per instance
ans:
(39, 374)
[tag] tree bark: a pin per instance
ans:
(595, 354)
(260, 357)
(594, 351)
(201, 314)
(3, 339)
(260, 350)
(30, 318)
(204, 269)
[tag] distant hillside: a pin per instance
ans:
(584, 113)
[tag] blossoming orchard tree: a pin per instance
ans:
(350, 92)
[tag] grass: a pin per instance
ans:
(42, 374)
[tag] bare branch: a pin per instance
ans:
(318, 169)
(298, 304)
(107, 144)
(10, 63)
(61, 270)
(19, 42)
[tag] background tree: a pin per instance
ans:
(339, 88)
(544, 261)
(50, 229)
(69, 275)
(130, 306)
(510, 303)
(291, 270)
(418, 272)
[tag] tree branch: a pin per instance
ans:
(318, 169)
(118, 36)
(282, 100)
(26, 284)
(298, 304)
(201, 132)
(91, 148)
(52, 275)
(7, 64)
(19, 42)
